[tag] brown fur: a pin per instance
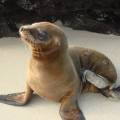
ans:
(55, 74)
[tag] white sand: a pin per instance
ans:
(13, 57)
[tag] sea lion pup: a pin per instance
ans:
(60, 73)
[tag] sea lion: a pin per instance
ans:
(60, 73)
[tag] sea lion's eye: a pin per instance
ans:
(42, 35)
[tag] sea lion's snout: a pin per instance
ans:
(37, 34)
(22, 29)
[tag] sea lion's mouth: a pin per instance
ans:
(45, 52)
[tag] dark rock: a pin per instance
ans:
(102, 16)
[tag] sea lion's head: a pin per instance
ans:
(44, 38)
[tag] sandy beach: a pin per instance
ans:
(13, 59)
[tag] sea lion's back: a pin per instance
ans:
(88, 59)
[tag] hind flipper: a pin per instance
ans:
(111, 93)
(102, 84)
(95, 79)
(115, 92)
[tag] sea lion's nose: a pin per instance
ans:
(22, 29)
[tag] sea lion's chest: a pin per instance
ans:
(52, 82)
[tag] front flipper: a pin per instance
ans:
(17, 99)
(70, 110)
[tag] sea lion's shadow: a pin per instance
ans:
(35, 100)
(38, 101)
(90, 102)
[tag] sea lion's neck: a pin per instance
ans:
(47, 56)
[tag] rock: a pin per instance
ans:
(97, 16)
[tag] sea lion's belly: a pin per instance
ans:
(50, 91)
